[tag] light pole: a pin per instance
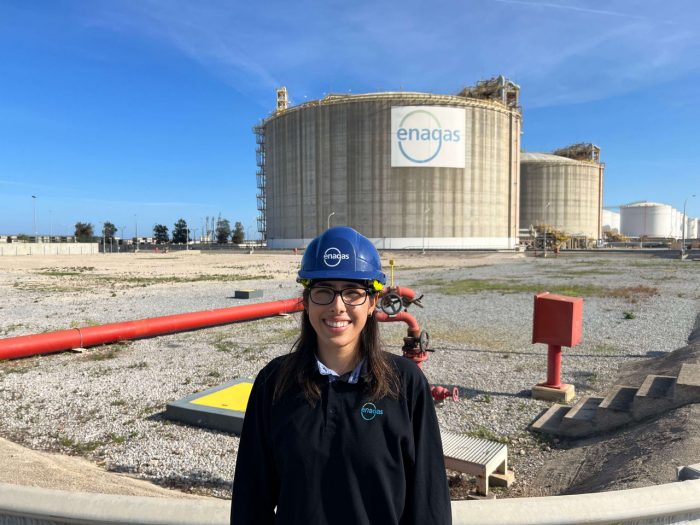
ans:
(104, 238)
(50, 226)
(684, 222)
(36, 235)
(425, 215)
(544, 227)
(187, 239)
(328, 221)
(136, 235)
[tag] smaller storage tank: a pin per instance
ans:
(648, 219)
(691, 231)
(611, 221)
(563, 190)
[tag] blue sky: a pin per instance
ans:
(140, 112)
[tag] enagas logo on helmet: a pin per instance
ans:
(333, 256)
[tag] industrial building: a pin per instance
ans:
(408, 170)
(563, 190)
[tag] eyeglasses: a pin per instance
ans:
(323, 295)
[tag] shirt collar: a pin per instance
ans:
(350, 377)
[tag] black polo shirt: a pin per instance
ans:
(346, 460)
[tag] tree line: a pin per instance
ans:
(220, 232)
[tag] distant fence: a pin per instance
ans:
(54, 248)
(673, 503)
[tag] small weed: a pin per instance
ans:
(224, 346)
(102, 353)
(140, 365)
(83, 323)
(604, 349)
(116, 438)
(487, 398)
(118, 403)
(485, 433)
(213, 373)
(628, 315)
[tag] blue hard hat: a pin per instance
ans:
(341, 253)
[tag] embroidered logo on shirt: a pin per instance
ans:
(369, 411)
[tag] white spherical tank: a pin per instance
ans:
(648, 219)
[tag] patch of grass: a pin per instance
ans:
(476, 337)
(213, 373)
(102, 353)
(11, 328)
(469, 286)
(568, 273)
(604, 349)
(116, 438)
(118, 403)
(224, 345)
(79, 447)
(628, 315)
(486, 433)
(83, 323)
(486, 399)
(140, 365)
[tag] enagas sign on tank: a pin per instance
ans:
(431, 136)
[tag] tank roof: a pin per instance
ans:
(526, 156)
(641, 204)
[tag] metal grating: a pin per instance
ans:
(474, 450)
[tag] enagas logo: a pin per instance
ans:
(420, 136)
(333, 256)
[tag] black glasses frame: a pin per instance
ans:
(340, 293)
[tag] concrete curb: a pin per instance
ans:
(671, 503)
(20, 505)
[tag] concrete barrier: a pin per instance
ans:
(56, 248)
(673, 503)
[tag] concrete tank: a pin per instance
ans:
(691, 231)
(355, 160)
(564, 193)
(649, 219)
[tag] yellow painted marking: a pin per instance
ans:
(232, 398)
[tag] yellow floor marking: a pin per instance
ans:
(232, 398)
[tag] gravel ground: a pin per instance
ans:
(106, 403)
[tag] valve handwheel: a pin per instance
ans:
(391, 304)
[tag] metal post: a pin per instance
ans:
(36, 235)
(328, 222)
(684, 221)
(544, 227)
(425, 215)
(136, 235)
(187, 239)
(553, 366)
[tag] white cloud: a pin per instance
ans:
(558, 51)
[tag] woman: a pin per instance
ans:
(338, 431)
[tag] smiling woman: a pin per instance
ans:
(339, 431)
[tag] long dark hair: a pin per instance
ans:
(381, 379)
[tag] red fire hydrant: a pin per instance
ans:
(557, 322)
